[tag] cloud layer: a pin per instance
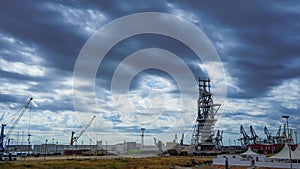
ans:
(40, 42)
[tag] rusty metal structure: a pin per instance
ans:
(204, 128)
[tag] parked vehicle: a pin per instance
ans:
(9, 157)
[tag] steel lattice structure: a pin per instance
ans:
(204, 128)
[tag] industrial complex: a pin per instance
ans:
(205, 141)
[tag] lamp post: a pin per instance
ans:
(45, 149)
(56, 146)
(18, 140)
(90, 146)
(287, 125)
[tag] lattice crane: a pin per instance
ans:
(270, 138)
(245, 139)
(81, 132)
(255, 137)
(20, 114)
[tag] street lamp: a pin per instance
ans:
(90, 146)
(45, 149)
(56, 146)
(287, 139)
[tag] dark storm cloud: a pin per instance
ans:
(130, 45)
(267, 38)
(116, 9)
(266, 34)
(33, 23)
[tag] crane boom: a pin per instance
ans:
(267, 133)
(22, 111)
(270, 138)
(82, 131)
(245, 137)
(254, 135)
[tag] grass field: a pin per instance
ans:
(121, 163)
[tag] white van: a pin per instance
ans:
(9, 157)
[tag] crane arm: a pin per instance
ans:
(245, 138)
(25, 106)
(86, 127)
(254, 135)
(243, 132)
(267, 133)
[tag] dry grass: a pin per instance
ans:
(121, 163)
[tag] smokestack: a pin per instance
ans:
(284, 131)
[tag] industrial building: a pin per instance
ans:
(98, 149)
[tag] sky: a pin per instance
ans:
(146, 80)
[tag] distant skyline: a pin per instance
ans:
(257, 44)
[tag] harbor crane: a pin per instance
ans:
(270, 138)
(81, 132)
(245, 140)
(20, 114)
(254, 137)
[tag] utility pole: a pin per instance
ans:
(18, 140)
(106, 151)
(142, 135)
(56, 146)
(45, 149)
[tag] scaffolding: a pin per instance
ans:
(204, 128)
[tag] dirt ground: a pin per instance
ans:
(110, 162)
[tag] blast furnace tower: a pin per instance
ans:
(204, 128)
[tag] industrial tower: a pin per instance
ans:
(204, 128)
